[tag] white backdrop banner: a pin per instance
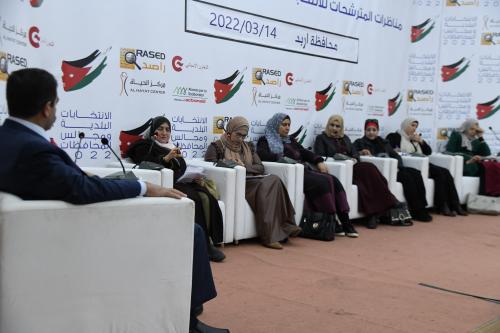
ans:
(200, 63)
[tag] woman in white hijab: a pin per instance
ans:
(407, 140)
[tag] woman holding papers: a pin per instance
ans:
(324, 193)
(267, 196)
(158, 148)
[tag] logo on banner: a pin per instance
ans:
(420, 95)
(219, 124)
(7, 59)
(289, 79)
(490, 38)
(177, 64)
(451, 72)
(418, 32)
(189, 95)
(36, 3)
(149, 60)
(453, 3)
(140, 86)
(352, 88)
(324, 97)
(264, 76)
(34, 37)
(4, 66)
(393, 104)
(80, 73)
(488, 109)
(225, 89)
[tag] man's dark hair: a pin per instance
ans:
(28, 90)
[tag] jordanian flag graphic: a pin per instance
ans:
(451, 72)
(418, 32)
(224, 89)
(323, 98)
(488, 109)
(80, 73)
(393, 104)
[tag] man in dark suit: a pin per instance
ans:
(34, 169)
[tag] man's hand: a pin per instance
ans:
(479, 132)
(158, 191)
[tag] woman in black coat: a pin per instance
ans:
(413, 185)
(324, 192)
(375, 198)
(158, 148)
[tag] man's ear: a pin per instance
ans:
(47, 108)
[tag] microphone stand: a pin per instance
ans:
(125, 175)
(81, 135)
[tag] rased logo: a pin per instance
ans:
(393, 104)
(451, 72)
(488, 109)
(129, 57)
(78, 74)
(324, 97)
(225, 89)
(418, 32)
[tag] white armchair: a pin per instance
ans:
(389, 168)
(422, 164)
(121, 265)
(167, 175)
(292, 176)
(343, 170)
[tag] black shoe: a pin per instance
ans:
(461, 211)
(339, 229)
(214, 254)
(204, 328)
(422, 217)
(372, 222)
(350, 231)
(446, 211)
(197, 310)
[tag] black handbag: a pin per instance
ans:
(400, 216)
(320, 226)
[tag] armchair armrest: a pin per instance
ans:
(151, 176)
(419, 163)
(286, 172)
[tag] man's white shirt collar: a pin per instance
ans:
(32, 126)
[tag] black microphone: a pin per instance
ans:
(81, 135)
(125, 175)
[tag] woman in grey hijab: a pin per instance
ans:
(468, 141)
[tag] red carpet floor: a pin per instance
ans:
(369, 284)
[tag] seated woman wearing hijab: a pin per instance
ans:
(267, 196)
(468, 141)
(324, 193)
(375, 198)
(159, 148)
(406, 140)
(413, 185)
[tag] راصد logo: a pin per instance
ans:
(323, 98)
(451, 72)
(488, 109)
(418, 32)
(225, 89)
(393, 104)
(77, 74)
